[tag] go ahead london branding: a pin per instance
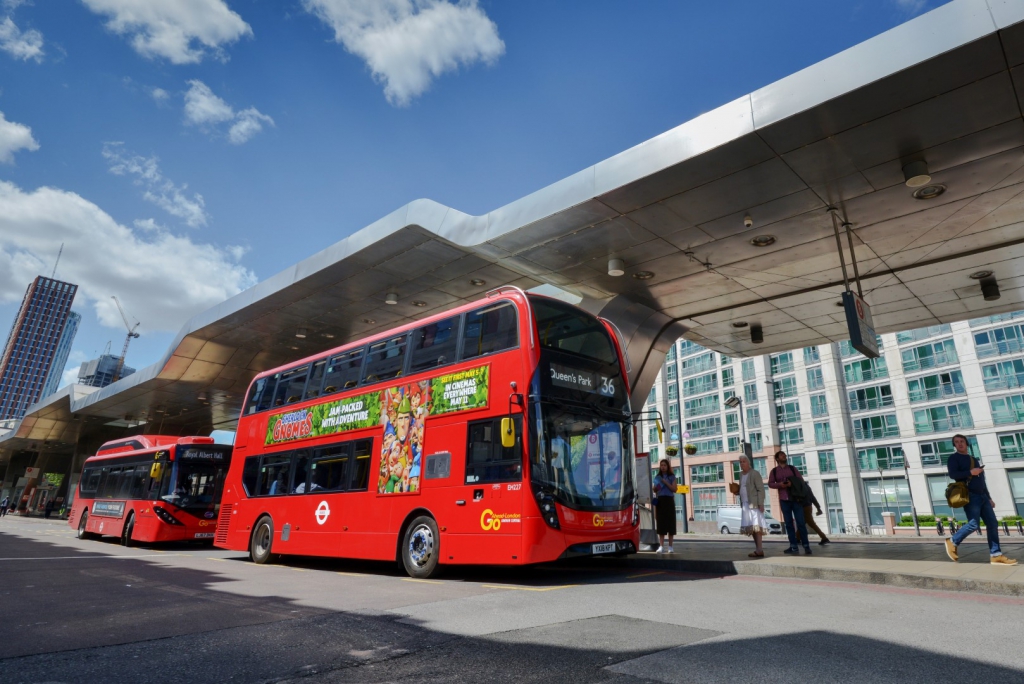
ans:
(458, 391)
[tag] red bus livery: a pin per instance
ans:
(495, 433)
(151, 488)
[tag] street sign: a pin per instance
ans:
(682, 489)
(858, 321)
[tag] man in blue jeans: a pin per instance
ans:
(963, 468)
(781, 479)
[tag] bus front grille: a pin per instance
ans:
(222, 524)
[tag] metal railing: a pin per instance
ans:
(871, 404)
(1005, 382)
(875, 433)
(930, 361)
(865, 374)
(1013, 346)
(946, 389)
(943, 425)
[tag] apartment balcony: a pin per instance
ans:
(944, 425)
(871, 404)
(931, 361)
(948, 389)
(985, 351)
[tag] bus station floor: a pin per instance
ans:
(94, 611)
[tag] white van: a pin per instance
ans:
(729, 521)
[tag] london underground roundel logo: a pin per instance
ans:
(322, 512)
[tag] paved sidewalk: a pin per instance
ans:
(918, 563)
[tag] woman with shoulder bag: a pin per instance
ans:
(791, 487)
(665, 510)
(752, 522)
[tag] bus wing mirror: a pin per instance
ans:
(156, 470)
(508, 433)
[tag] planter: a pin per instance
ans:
(690, 449)
(671, 451)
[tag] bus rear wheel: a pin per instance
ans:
(82, 522)
(126, 533)
(262, 541)
(421, 548)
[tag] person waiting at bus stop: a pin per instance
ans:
(782, 478)
(962, 467)
(665, 509)
(752, 521)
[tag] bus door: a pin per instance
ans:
(490, 496)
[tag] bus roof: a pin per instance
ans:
(144, 443)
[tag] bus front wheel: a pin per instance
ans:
(126, 534)
(262, 541)
(421, 548)
(82, 522)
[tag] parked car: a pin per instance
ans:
(729, 521)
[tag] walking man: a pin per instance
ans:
(812, 501)
(962, 467)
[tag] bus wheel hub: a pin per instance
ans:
(421, 545)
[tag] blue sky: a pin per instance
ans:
(185, 150)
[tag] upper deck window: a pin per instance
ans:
(567, 329)
(343, 371)
(291, 386)
(385, 359)
(490, 329)
(434, 345)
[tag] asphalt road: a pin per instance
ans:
(92, 611)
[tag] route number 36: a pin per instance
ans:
(607, 386)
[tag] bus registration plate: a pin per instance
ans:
(604, 548)
(204, 535)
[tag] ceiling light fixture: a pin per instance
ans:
(916, 174)
(301, 333)
(643, 275)
(756, 334)
(419, 303)
(391, 298)
(477, 282)
(929, 191)
(616, 268)
(981, 275)
(327, 335)
(369, 321)
(990, 289)
(763, 240)
(739, 324)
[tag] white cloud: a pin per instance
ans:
(13, 137)
(181, 31)
(205, 109)
(162, 278)
(911, 6)
(75, 360)
(159, 94)
(159, 190)
(409, 43)
(20, 44)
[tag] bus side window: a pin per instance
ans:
(488, 330)
(300, 472)
(361, 458)
(127, 477)
(110, 482)
(486, 459)
(330, 469)
(251, 474)
(274, 475)
(343, 371)
(316, 379)
(385, 359)
(291, 386)
(90, 478)
(139, 481)
(262, 394)
(434, 345)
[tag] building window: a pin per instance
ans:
(999, 341)
(653, 396)
(799, 462)
(890, 494)
(727, 394)
(785, 388)
(822, 433)
(815, 380)
(697, 364)
(870, 398)
(811, 355)
(1011, 446)
(709, 446)
(876, 427)
(827, 461)
(673, 411)
(867, 369)
(733, 444)
(791, 436)
(885, 458)
(1004, 375)
(937, 386)
(705, 427)
(724, 360)
(781, 363)
(922, 333)
(706, 501)
(819, 405)
(834, 503)
(753, 417)
(1017, 487)
(710, 472)
(687, 347)
(943, 418)
(928, 356)
(727, 377)
(732, 422)
(701, 384)
(788, 412)
(748, 370)
(937, 489)
(937, 453)
(652, 435)
(846, 349)
(670, 371)
(756, 441)
(701, 406)
(1008, 409)
(653, 454)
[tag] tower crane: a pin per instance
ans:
(127, 340)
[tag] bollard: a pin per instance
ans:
(1020, 528)
(938, 528)
(978, 531)
(1006, 528)
(952, 526)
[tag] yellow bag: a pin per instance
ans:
(957, 494)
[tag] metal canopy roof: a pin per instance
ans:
(945, 88)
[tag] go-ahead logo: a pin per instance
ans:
(489, 520)
(598, 521)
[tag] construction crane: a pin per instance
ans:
(127, 340)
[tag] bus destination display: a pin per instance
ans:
(584, 381)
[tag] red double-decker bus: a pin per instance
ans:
(496, 433)
(152, 488)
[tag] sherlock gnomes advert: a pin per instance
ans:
(402, 410)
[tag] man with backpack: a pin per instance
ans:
(793, 493)
(962, 467)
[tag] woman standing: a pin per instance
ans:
(665, 513)
(752, 522)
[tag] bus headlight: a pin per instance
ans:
(548, 511)
(636, 512)
(166, 517)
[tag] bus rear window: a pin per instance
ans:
(261, 395)
(567, 329)
(490, 329)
